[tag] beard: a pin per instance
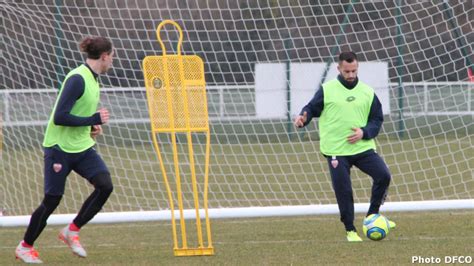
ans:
(350, 80)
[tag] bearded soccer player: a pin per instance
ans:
(69, 146)
(350, 117)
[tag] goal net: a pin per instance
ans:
(263, 61)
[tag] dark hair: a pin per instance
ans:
(94, 46)
(349, 57)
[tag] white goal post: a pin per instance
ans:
(259, 166)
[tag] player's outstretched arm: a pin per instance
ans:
(313, 109)
(300, 120)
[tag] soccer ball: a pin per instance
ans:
(376, 227)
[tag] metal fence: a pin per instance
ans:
(236, 102)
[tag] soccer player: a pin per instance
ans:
(69, 146)
(350, 117)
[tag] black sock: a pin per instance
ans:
(39, 218)
(95, 201)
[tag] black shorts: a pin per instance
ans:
(58, 164)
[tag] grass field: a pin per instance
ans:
(309, 240)
(255, 174)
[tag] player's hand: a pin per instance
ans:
(96, 131)
(301, 120)
(104, 115)
(358, 134)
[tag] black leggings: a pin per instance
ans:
(95, 201)
(92, 205)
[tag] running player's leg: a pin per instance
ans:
(93, 168)
(56, 170)
(89, 165)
